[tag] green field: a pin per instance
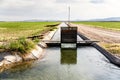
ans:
(13, 35)
(15, 30)
(106, 25)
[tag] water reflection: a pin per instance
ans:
(68, 56)
(17, 67)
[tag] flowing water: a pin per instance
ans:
(83, 63)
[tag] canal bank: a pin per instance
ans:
(109, 56)
(9, 60)
(113, 59)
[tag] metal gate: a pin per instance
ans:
(68, 37)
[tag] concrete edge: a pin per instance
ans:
(47, 37)
(109, 56)
(34, 54)
(11, 59)
(53, 34)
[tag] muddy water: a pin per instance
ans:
(83, 63)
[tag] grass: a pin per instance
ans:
(22, 45)
(13, 30)
(112, 47)
(105, 25)
(15, 34)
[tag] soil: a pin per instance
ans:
(103, 35)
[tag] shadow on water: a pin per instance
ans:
(68, 56)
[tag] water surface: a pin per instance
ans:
(85, 63)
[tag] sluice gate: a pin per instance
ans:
(68, 39)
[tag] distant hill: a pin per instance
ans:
(107, 19)
(34, 20)
(38, 20)
(101, 19)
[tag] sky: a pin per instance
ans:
(17, 10)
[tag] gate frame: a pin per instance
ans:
(69, 36)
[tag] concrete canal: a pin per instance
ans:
(83, 63)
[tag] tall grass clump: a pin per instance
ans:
(2, 48)
(36, 40)
(21, 45)
(113, 47)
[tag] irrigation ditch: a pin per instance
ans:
(36, 53)
(85, 62)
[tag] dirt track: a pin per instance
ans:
(102, 35)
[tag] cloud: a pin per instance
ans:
(42, 9)
(58, 9)
(66, 1)
(16, 3)
(97, 1)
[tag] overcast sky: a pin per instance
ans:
(58, 9)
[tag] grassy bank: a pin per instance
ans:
(22, 46)
(14, 35)
(105, 25)
(13, 30)
(114, 48)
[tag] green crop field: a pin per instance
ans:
(106, 25)
(15, 30)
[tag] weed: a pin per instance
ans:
(22, 45)
(36, 40)
(113, 47)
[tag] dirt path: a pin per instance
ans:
(102, 35)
